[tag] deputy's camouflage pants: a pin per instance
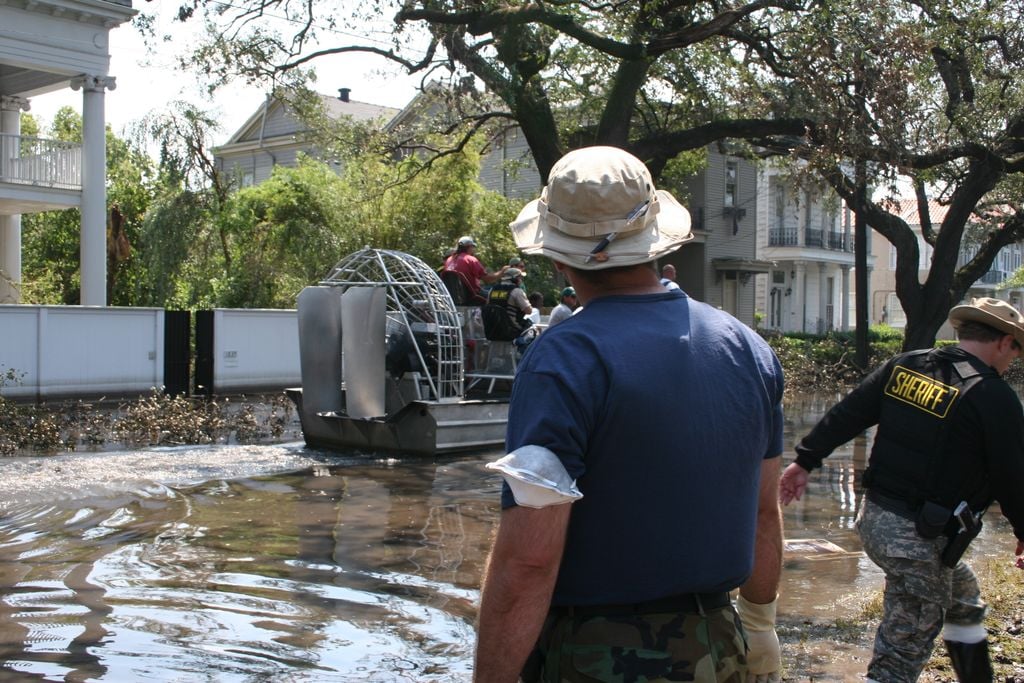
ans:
(642, 648)
(919, 592)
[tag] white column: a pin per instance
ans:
(94, 193)
(800, 294)
(10, 226)
(822, 325)
(845, 297)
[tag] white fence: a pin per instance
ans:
(64, 351)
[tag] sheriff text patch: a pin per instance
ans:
(920, 391)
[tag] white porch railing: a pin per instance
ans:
(36, 161)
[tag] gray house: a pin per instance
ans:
(274, 136)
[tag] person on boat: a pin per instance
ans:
(536, 301)
(465, 262)
(950, 440)
(447, 257)
(566, 305)
(518, 262)
(668, 277)
(626, 522)
(506, 316)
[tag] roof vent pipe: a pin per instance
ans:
(343, 94)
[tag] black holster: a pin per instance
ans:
(967, 528)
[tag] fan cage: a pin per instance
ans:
(419, 303)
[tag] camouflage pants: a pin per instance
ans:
(642, 648)
(920, 593)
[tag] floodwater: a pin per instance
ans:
(275, 563)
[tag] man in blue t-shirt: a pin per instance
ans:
(625, 516)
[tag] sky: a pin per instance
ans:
(147, 81)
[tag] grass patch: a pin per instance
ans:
(1002, 587)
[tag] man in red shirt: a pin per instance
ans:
(464, 262)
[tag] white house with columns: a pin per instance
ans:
(45, 46)
(806, 234)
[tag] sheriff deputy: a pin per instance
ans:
(950, 441)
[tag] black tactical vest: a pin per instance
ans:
(502, 320)
(499, 295)
(919, 399)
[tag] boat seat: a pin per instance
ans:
(502, 358)
(461, 291)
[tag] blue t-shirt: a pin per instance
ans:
(663, 409)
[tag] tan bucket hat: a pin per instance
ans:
(600, 210)
(995, 313)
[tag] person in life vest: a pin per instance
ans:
(950, 441)
(626, 522)
(506, 316)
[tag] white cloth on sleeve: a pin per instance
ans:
(537, 477)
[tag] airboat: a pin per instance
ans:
(383, 356)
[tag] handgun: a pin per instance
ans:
(969, 527)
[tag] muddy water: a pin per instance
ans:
(204, 565)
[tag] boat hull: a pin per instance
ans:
(419, 428)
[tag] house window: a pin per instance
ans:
(248, 179)
(778, 277)
(924, 254)
(730, 184)
(828, 220)
(892, 257)
(893, 313)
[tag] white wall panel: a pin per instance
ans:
(72, 350)
(255, 349)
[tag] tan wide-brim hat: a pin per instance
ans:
(600, 209)
(995, 313)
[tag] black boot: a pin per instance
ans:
(970, 661)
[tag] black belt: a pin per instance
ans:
(685, 603)
(904, 508)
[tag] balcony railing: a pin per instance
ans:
(994, 277)
(782, 237)
(44, 163)
(822, 239)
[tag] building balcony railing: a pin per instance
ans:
(994, 277)
(39, 162)
(820, 239)
(782, 237)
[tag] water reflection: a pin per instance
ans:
(351, 570)
(361, 571)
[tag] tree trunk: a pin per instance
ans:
(922, 329)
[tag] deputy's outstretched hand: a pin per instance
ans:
(792, 484)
